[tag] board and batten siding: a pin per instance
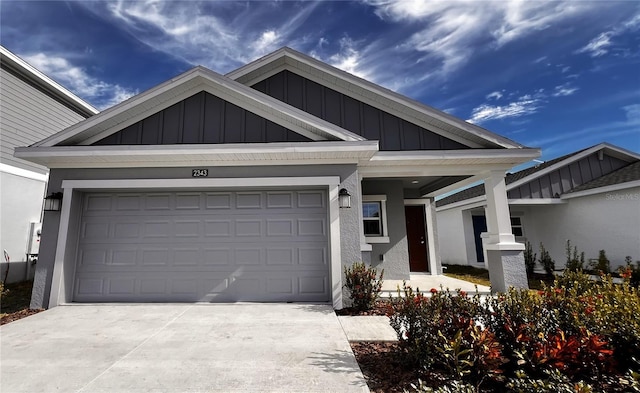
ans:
(202, 118)
(28, 115)
(567, 177)
(392, 132)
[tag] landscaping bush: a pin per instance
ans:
(546, 261)
(574, 262)
(576, 335)
(630, 272)
(529, 259)
(602, 264)
(363, 284)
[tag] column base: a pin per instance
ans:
(506, 269)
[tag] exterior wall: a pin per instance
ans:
(396, 252)
(202, 118)
(27, 115)
(21, 205)
(605, 221)
(349, 218)
(568, 177)
(353, 115)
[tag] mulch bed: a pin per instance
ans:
(382, 307)
(382, 367)
(14, 316)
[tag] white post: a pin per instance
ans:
(505, 257)
(435, 264)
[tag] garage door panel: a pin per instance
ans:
(204, 246)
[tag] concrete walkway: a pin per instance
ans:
(426, 281)
(179, 348)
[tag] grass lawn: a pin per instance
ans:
(480, 276)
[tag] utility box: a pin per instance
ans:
(33, 246)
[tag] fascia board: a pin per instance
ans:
(180, 155)
(622, 153)
(516, 156)
(233, 91)
(605, 189)
(38, 77)
(295, 59)
(464, 205)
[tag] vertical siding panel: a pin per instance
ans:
(294, 92)
(130, 135)
(556, 186)
(605, 164)
(276, 86)
(313, 94)
(232, 123)
(535, 188)
(411, 136)
(191, 122)
(594, 164)
(171, 128)
(212, 131)
(253, 128)
(151, 130)
(275, 133)
(617, 163)
(585, 171)
(332, 106)
(545, 187)
(351, 112)
(565, 179)
(371, 124)
(430, 141)
(391, 132)
(576, 176)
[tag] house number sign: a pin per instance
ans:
(199, 172)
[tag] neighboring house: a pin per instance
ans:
(32, 107)
(226, 188)
(590, 197)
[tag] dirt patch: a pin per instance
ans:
(14, 316)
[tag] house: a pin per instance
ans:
(590, 197)
(32, 108)
(236, 188)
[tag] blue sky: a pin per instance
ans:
(551, 74)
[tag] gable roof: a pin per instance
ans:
(513, 180)
(625, 174)
(194, 81)
(37, 79)
(372, 94)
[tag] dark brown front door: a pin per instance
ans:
(417, 238)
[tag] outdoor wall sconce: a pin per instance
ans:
(344, 198)
(53, 202)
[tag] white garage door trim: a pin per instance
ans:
(64, 267)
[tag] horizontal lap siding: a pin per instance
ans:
(202, 118)
(28, 116)
(372, 123)
(567, 177)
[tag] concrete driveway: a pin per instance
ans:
(179, 348)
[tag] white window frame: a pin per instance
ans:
(521, 225)
(382, 199)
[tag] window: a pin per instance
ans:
(374, 217)
(516, 226)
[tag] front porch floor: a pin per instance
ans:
(425, 282)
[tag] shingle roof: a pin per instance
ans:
(625, 174)
(478, 190)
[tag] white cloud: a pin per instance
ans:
(496, 95)
(601, 44)
(632, 112)
(564, 90)
(213, 34)
(348, 58)
(101, 94)
(454, 30)
(525, 105)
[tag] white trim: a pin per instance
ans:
(455, 186)
(486, 154)
(600, 190)
(194, 81)
(430, 233)
(536, 201)
(287, 153)
(481, 200)
(619, 152)
(382, 199)
(39, 77)
(14, 170)
(69, 186)
(382, 98)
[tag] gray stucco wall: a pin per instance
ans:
(395, 253)
(350, 239)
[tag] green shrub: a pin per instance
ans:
(529, 259)
(363, 284)
(574, 262)
(546, 261)
(630, 272)
(602, 264)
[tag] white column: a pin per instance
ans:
(364, 246)
(505, 258)
(435, 265)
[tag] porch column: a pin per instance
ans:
(435, 264)
(365, 248)
(505, 257)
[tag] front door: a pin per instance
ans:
(479, 226)
(417, 238)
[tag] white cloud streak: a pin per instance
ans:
(101, 94)
(601, 44)
(524, 105)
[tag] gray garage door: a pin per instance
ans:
(203, 246)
